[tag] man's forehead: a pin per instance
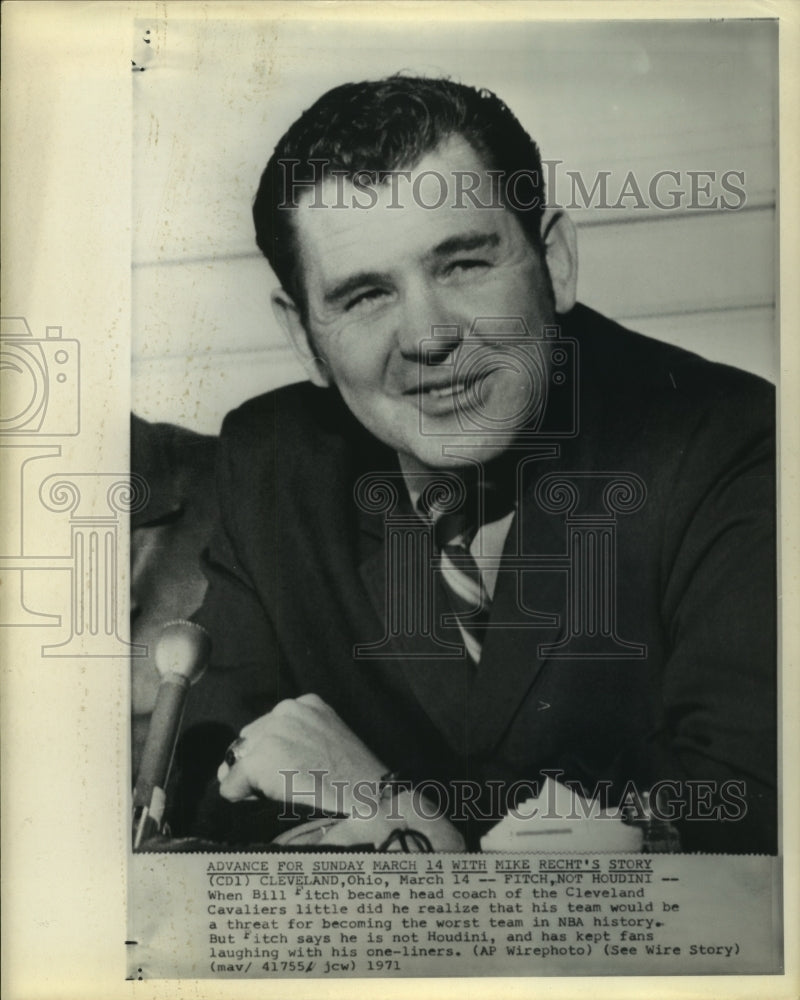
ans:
(446, 195)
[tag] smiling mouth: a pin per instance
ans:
(459, 394)
(444, 391)
(450, 388)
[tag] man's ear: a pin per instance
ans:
(561, 251)
(288, 315)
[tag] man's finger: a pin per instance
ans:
(312, 700)
(235, 783)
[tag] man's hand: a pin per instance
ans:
(301, 736)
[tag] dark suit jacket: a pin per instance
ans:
(298, 577)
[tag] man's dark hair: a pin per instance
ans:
(379, 126)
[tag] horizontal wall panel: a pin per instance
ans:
(197, 308)
(696, 263)
(198, 393)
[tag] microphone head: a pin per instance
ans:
(182, 648)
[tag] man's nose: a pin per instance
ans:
(430, 327)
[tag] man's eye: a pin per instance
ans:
(370, 295)
(464, 265)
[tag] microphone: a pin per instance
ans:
(181, 655)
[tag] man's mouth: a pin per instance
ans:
(444, 391)
(443, 395)
(448, 386)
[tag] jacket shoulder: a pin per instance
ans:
(644, 374)
(291, 439)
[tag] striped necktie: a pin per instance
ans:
(468, 597)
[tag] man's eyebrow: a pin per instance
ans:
(351, 284)
(465, 243)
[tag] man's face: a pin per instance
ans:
(379, 281)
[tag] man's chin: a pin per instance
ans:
(458, 451)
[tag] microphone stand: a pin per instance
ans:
(181, 655)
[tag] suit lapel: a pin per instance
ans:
(435, 666)
(471, 706)
(527, 614)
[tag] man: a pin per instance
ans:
(497, 537)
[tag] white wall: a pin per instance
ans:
(644, 97)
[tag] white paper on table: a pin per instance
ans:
(559, 819)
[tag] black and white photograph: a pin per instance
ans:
(491, 563)
(440, 560)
